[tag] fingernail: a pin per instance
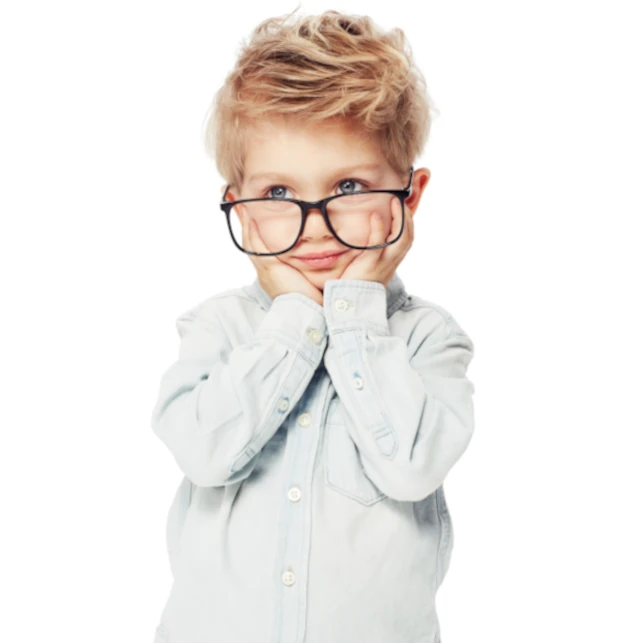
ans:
(378, 216)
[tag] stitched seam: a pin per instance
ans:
(375, 285)
(438, 571)
(445, 316)
(397, 303)
(297, 346)
(351, 325)
(362, 352)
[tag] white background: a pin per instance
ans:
(529, 233)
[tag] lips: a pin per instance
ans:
(320, 255)
(320, 259)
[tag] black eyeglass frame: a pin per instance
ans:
(306, 206)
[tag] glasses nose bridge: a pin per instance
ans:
(320, 205)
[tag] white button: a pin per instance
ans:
(341, 304)
(294, 493)
(314, 335)
(358, 382)
(304, 419)
(283, 404)
(288, 578)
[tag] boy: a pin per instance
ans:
(316, 412)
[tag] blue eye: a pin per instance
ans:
(345, 181)
(276, 187)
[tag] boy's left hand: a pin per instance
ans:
(380, 264)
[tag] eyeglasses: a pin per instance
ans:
(281, 221)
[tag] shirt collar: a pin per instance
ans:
(395, 294)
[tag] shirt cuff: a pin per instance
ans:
(298, 322)
(355, 303)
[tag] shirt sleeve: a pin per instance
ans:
(218, 404)
(408, 406)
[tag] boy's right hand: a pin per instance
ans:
(275, 276)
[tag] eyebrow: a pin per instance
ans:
(287, 177)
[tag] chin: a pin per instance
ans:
(318, 277)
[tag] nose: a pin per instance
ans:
(315, 226)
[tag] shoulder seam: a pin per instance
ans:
(237, 292)
(446, 316)
(452, 326)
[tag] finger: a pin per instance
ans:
(378, 232)
(407, 233)
(379, 228)
(244, 229)
(258, 243)
(396, 215)
(250, 227)
(401, 246)
(375, 237)
(396, 223)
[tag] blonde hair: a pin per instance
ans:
(321, 67)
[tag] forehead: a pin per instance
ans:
(289, 145)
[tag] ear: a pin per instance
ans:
(230, 196)
(421, 178)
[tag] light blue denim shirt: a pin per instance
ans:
(314, 441)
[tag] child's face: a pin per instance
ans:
(310, 163)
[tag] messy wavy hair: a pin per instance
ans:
(321, 67)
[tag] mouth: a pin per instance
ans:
(321, 262)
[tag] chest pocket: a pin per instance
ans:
(343, 468)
